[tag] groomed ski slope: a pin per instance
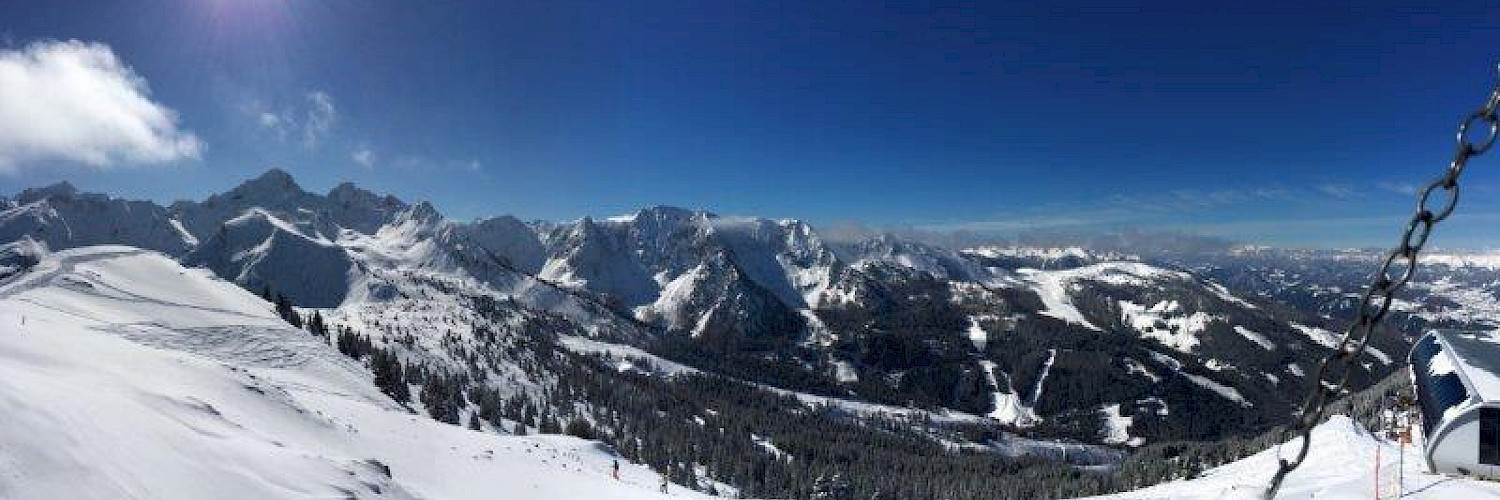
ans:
(125, 376)
(1340, 465)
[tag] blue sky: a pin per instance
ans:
(1284, 124)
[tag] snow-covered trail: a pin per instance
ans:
(1340, 465)
(123, 375)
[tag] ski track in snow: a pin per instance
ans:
(1331, 340)
(123, 375)
(1008, 407)
(1257, 338)
(1340, 466)
(1052, 288)
(196, 389)
(1036, 390)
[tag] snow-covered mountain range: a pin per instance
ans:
(987, 330)
(498, 322)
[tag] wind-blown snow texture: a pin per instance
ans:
(664, 271)
(1340, 465)
(124, 375)
(1098, 348)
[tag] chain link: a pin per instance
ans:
(1376, 301)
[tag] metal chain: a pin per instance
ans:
(1376, 301)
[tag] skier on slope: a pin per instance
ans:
(616, 472)
(664, 483)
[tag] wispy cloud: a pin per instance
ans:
(77, 102)
(1401, 188)
(1339, 191)
(320, 117)
(364, 156)
(419, 163)
(309, 120)
(1039, 221)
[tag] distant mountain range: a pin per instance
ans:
(1025, 335)
(1102, 348)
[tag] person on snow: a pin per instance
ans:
(664, 484)
(617, 470)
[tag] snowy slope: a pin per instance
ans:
(124, 375)
(1340, 465)
(785, 307)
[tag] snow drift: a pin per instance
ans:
(125, 375)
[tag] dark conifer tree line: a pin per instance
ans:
(704, 428)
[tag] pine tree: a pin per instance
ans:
(390, 377)
(549, 424)
(443, 398)
(284, 309)
(580, 429)
(830, 487)
(316, 325)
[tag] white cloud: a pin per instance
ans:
(1338, 191)
(1402, 188)
(320, 117)
(77, 102)
(363, 156)
(269, 120)
(311, 119)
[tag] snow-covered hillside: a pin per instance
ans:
(125, 375)
(485, 319)
(1340, 465)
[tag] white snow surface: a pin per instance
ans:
(124, 375)
(1340, 466)
(1031, 252)
(1330, 340)
(844, 372)
(1470, 355)
(1222, 390)
(625, 354)
(1223, 293)
(1055, 287)
(1165, 322)
(1133, 366)
(1257, 338)
(977, 334)
(1225, 391)
(1052, 287)
(1117, 426)
(1009, 409)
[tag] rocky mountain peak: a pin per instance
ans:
(422, 212)
(349, 195)
(58, 190)
(274, 178)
